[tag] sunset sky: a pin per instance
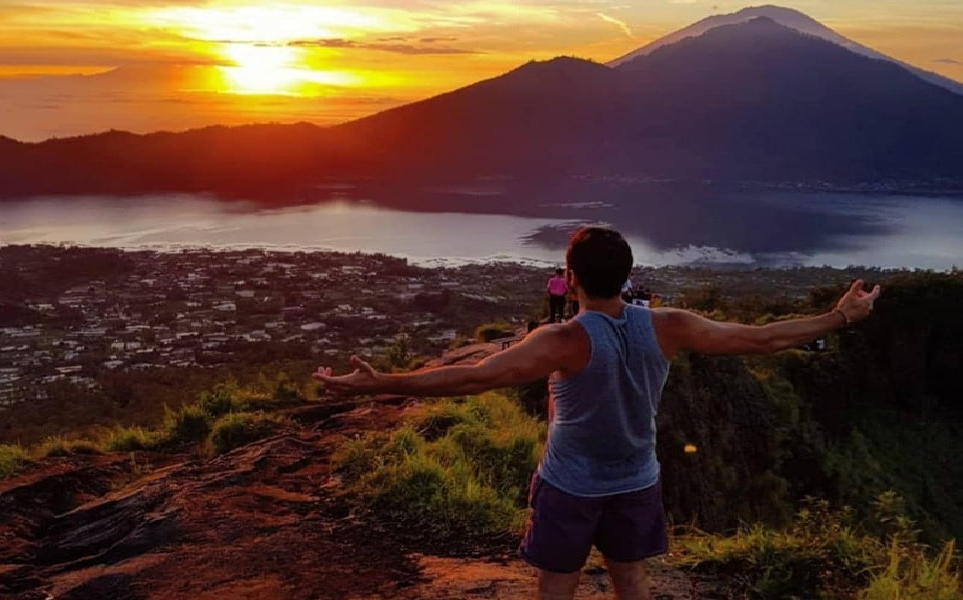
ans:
(175, 64)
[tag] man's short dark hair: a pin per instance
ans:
(601, 259)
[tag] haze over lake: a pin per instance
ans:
(666, 225)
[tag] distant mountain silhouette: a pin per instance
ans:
(539, 119)
(786, 17)
(762, 98)
(752, 101)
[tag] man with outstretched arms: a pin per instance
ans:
(598, 480)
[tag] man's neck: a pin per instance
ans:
(609, 306)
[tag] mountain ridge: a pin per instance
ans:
(754, 101)
(793, 19)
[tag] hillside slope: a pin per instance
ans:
(265, 522)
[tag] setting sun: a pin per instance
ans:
(270, 50)
(261, 69)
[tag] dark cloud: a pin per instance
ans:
(433, 40)
(947, 61)
(397, 48)
(396, 38)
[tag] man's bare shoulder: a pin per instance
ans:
(667, 316)
(567, 339)
(570, 343)
(669, 325)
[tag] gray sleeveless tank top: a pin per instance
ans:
(601, 440)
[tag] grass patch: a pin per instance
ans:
(129, 439)
(230, 398)
(12, 458)
(234, 430)
(221, 419)
(59, 446)
(190, 423)
(456, 472)
(911, 575)
(823, 555)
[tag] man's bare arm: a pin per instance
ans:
(684, 330)
(696, 333)
(539, 354)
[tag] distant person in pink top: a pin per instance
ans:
(557, 290)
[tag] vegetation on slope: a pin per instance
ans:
(826, 553)
(458, 472)
(220, 420)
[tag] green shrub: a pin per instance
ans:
(12, 459)
(457, 472)
(190, 423)
(819, 555)
(399, 352)
(58, 446)
(222, 400)
(503, 462)
(912, 576)
(358, 457)
(286, 390)
(443, 501)
(237, 429)
(230, 397)
(908, 573)
(440, 418)
(129, 439)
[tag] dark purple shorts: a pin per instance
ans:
(563, 528)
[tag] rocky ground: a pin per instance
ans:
(261, 522)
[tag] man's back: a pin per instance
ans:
(602, 434)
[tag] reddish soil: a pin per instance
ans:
(261, 522)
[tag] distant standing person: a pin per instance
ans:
(557, 289)
(598, 482)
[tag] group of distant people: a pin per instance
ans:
(638, 297)
(560, 296)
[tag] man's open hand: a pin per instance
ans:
(857, 303)
(363, 380)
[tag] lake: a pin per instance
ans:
(666, 225)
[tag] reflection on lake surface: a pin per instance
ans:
(665, 226)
